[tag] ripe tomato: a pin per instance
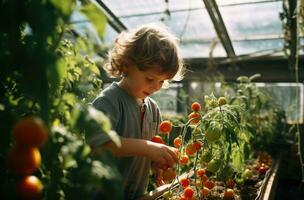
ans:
(23, 160)
(229, 194)
(194, 117)
(165, 127)
(157, 139)
(189, 150)
(169, 175)
(209, 184)
(188, 192)
(184, 182)
(30, 131)
(262, 170)
(204, 192)
(197, 145)
(196, 106)
(200, 172)
(221, 101)
(204, 178)
(183, 160)
(30, 187)
(177, 142)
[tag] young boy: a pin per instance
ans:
(145, 59)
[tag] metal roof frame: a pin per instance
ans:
(220, 27)
(112, 18)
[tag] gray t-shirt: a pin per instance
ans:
(125, 116)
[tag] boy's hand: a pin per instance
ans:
(158, 173)
(164, 156)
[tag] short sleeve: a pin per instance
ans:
(103, 104)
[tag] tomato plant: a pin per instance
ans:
(217, 146)
(47, 71)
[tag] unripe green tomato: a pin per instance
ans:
(221, 101)
(206, 156)
(213, 134)
(247, 174)
(214, 165)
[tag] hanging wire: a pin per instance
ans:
(167, 14)
(187, 20)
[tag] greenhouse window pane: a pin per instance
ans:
(198, 50)
(84, 27)
(126, 8)
(252, 19)
(290, 96)
(248, 47)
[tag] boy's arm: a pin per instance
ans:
(163, 155)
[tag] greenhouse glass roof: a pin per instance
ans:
(252, 26)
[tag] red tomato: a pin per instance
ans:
(29, 187)
(194, 117)
(23, 160)
(183, 160)
(201, 172)
(229, 194)
(189, 150)
(30, 132)
(197, 145)
(158, 139)
(196, 106)
(204, 192)
(209, 184)
(204, 178)
(188, 192)
(177, 142)
(262, 170)
(184, 182)
(165, 127)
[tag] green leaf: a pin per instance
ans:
(69, 98)
(100, 118)
(2, 107)
(96, 17)
(56, 74)
(94, 69)
(65, 7)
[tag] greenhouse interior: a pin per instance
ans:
(152, 99)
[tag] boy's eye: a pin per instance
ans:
(150, 79)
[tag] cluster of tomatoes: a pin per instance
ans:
(264, 162)
(203, 182)
(24, 157)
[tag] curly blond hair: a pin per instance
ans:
(147, 47)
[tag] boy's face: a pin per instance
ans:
(141, 84)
